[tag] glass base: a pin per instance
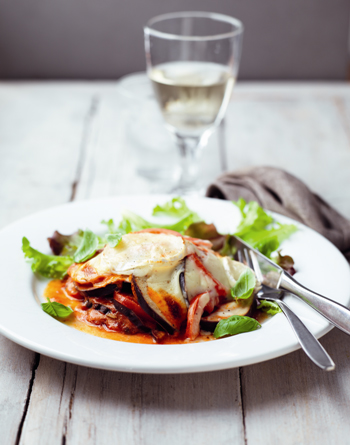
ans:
(188, 191)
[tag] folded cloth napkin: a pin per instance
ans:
(281, 192)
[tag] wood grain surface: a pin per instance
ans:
(60, 142)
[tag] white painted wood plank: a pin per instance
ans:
(289, 400)
(40, 133)
(303, 135)
(15, 373)
(50, 404)
(156, 409)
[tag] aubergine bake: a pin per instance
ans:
(157, 285)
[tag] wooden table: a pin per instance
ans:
(67, 141)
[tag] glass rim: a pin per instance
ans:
(209, 15)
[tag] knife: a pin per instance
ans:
(337, 314)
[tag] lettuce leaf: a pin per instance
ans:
(175, 208)
(113, 239)
(65, 245)
(286, 262)
(254, 217)
(50, 266)
(269, 240)
(110, 225)
(87, 248)
(259, 229)
(131, 222)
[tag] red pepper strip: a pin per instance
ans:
(128, 302)
(220, 289)
(199, 242)
(157, 230)
(195, 313)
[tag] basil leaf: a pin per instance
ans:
(56, 309)
(87, 247)
(49, 266)
(270, 307)
(237, 324)
(113, 239)
(244, 286)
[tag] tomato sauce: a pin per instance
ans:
(55, 291)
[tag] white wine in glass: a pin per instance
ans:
(191, 94)
(192, 61)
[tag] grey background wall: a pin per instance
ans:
(103, 39)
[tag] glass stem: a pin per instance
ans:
(190, 151)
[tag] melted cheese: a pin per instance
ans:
(139, 254)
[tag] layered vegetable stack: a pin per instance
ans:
(176, 280)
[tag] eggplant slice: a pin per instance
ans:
(101, 291)
(135, 320)
(139, 286)
(240, 307)
(161, 296)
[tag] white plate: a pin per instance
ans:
(320, 266)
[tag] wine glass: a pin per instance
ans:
(192, 60)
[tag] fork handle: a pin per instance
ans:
(335, 313)
(311, 346)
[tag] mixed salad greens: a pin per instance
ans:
(257, 228)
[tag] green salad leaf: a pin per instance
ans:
(203, 230)
(259, 230)
(254, 217)
(113, 239)
(269, 240)
(131, 222)
(244, 286)
(110, 225)
(50, 266)
(237, 324)
(87, 247)
(56, 309)
(65, 245)
(270, 307)
(285, 261)
(175, 208)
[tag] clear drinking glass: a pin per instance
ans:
(192, 60)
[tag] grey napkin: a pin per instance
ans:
(281, 192)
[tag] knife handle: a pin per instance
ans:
(335, 313)
(311, 346)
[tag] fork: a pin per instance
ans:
(309, 343)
